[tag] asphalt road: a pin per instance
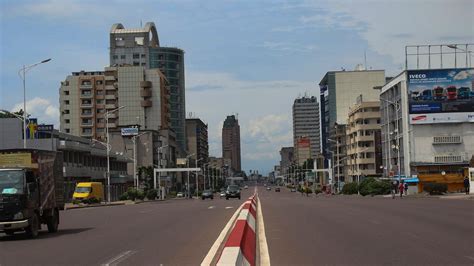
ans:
(351, 230)
(174, 232)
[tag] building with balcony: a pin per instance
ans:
(141, 47)
(86, 97)
(363, 141)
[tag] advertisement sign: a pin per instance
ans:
(303, 142)
(129, 131)
(31, 128)
(44, 128)
(441, 95)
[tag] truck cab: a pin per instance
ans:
(30, 194)
(452, 93)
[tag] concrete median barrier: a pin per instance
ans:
(240, 247)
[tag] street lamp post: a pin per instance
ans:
(205, 171)
(197, 177)
(108, 147)
(22, 74)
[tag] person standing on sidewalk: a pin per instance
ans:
(394, 189)
(400, 189)
(466, 185)
(405, 188)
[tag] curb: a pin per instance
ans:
(240, 247)
(110, 204)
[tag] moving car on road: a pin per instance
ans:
(277, 189)
(232, 191)
(207, 194)
(89, 192)
(269, 188)
(180, 195)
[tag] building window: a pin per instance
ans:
(66, 92)
(136, 56)
(99, 82)
(100, 101)
(136, 63)
(66, 112)
(115, 56)
(100, 120)
(143, 64)
(139, 41)
(67, 121)
(66, 102)
(67, 130)
(100, 111)
(100, 92)
(122, 56)
(143, 55)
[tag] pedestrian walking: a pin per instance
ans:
(466, 185)
(394, 189)
(400, 189)
(405, 187)
(307, 191)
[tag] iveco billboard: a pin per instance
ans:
(441, 95)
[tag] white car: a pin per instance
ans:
(180, 195)
(246, 187)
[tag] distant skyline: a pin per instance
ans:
(250, 58)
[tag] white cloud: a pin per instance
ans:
(43, 109)
(288, 47)
(388, 26)
(463, 75)
(264, 111)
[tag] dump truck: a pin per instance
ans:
(31, 190)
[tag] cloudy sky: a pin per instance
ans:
(250, 58)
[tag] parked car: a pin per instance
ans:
(207, 194)
(246, 187)
(180, 195)
(88, 191)
(222, 194)
(232, 191)
(277, 189)
(293, 190)
(269, 188)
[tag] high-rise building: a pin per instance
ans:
(287, 158)
(363, 141)
(306, 123)
(85, 97)
(338, 91)
(197, 140)
(231, 142)
(141, 47)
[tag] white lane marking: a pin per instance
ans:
(264, 256)
(229, 207)
(119, 258)
(215, 247)
(211, 207)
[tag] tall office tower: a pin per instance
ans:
(231, 142)
(86, 97)
(306, 123)
(141, 47)
(197, 140)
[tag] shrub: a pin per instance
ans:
(151, 194)
(317, 191)
(435, 188)
(172, 194)
(132, 193)
(92, 201)
(372, 186)
(140, 195)
(124, 196)
(349, 188)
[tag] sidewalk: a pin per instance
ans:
(426, 195)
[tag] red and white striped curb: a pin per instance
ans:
(240, 247)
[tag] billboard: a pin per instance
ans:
(441, 95)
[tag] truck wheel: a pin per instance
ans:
(53, 222)
(33, 227)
